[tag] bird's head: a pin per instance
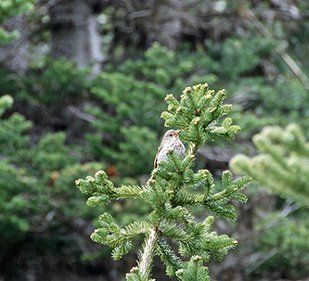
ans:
(171, 134)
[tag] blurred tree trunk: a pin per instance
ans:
(149, 21)
(74, 32)
(13, 55)
(167, 26)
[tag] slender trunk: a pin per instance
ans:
(147, 254)
(74, 33)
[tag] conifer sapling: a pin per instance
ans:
(171, 231)
(282, 164)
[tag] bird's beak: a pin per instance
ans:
(177, 133)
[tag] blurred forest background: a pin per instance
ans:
(82, 85)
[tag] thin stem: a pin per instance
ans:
(147, 254)
(192, 149)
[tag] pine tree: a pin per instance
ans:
(282, 164)
(36, 179)
(172, 191)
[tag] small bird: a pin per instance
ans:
(170, 141)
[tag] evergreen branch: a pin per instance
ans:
(194, 270)
(174, 231)
(172, 189)
(282, 165)
(169, 258)
(128, 191)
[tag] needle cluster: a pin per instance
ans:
(282, 164)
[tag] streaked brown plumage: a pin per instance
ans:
(170, 141)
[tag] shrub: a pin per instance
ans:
(36, 195)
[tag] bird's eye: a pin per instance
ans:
(171, 135)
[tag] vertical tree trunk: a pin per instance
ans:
(167, 25)
(156, 20)
(74, 33)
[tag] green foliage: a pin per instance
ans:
(240, 55)
(50, 82)
(168, 69)
(131, 93)
(54, 81)
(205, 124)
(282, 167)
(288, 241)
(36, 194)
(173, 189)
(11, 8)
(283, 163)
(194, 270)
(37, 168)
(5, 102)
(285, 95)
(263, 90)
(129, 99)
(130, 152)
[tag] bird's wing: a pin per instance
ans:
(155, 164)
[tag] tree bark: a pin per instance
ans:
(74, 32)
(153, 20)
(167, 24)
